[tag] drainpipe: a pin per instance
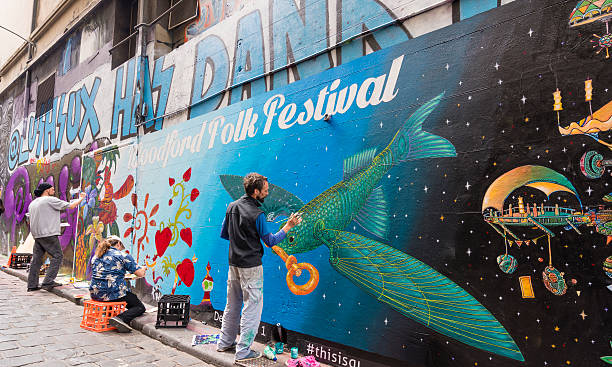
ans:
(141, 54)
(26, 92)
(34, 15)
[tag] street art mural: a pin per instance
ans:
(17, 195)
(403, 282)
(223, 64)
(454, 186)
(106, 191)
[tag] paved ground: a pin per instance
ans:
(42, 329)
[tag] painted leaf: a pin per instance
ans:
(146, 200)
(162, 240)
(607, 359)
(194, 194)
(128, 231)
(108, 212)
(127, 217)
(135, 200)
(154, 210)
(187, 175)
(170, 181)
(185, 234)
(186, 272)
(114, 229)
(125, 189)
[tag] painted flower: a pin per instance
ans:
(142, 219)
(94, 231)
(91, 194)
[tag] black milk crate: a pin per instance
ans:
(20, 261)
(173, 309)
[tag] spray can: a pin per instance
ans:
(279, 348)
(294, 352)
(269, 353)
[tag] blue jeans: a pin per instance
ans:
(244, 285)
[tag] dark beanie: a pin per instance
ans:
(41, 188)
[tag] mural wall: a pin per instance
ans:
(454, 186)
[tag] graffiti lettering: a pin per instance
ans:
(127, 98)
(51, 127)
(18, 193)
(173, 147)
(162, 80)
(90, 117)
(211, 55)
(122, 106)
(17, 198)
(383, 91)
(248, 58)
(302, 32)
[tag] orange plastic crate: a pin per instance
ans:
(96, 314)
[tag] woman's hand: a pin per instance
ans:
(140, 272)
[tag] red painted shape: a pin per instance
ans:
(187, 175)
(185, 234)
(194, 194)
(162, 240)
(186, 272)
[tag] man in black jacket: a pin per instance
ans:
(245, 227)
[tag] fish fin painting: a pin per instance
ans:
(279, 201)
(393, 277)
(417, 291)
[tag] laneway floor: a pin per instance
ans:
(41, 329)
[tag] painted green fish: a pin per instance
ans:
(408, 285)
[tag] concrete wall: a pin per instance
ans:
(16, 16)
(414, 244)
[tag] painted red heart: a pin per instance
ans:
(194, 194)
(187, 175)
(162, 240)
(171, 181)
(185, 234)
(186, 272)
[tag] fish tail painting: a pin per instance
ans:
(406, 284)
(412, 142)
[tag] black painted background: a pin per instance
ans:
(505, 133)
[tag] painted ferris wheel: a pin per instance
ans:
(589, 11)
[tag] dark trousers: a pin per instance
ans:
(134, 307)
(51, 245)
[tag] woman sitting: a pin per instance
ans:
(109, 266)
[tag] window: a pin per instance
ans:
(44, 95)
(124, 36)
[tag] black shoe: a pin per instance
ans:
(121, 325)
(50, 286)
(226, 349)
(33, 289)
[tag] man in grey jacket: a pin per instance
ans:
(45, 228)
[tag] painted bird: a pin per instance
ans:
(408, 285)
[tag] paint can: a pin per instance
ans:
(279, 348)
(294, 352)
